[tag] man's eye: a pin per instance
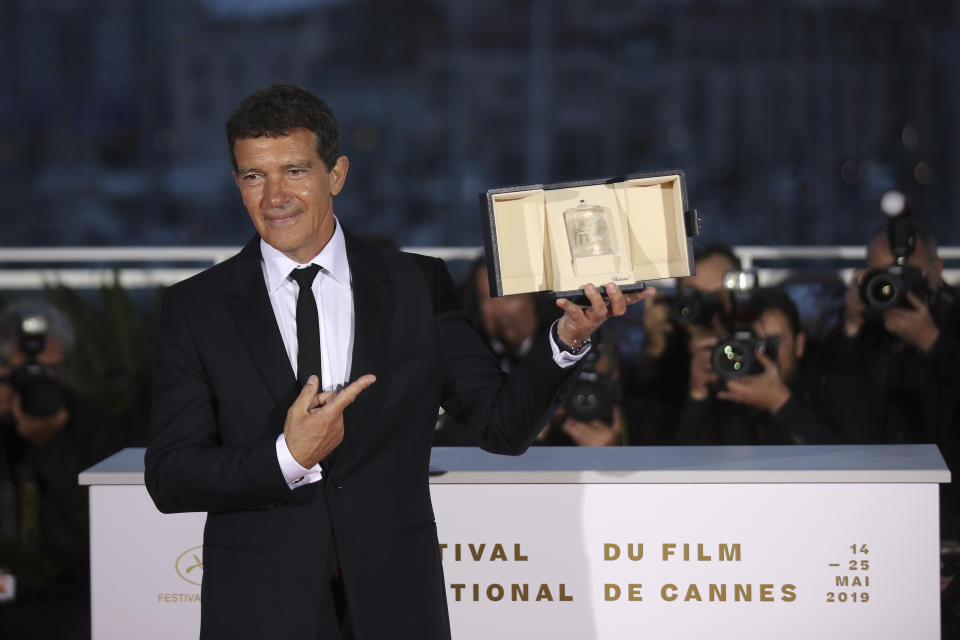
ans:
(297, 172)
(251, 177)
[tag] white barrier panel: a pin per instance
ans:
(145, 567)
(691, 561)
(606, 559)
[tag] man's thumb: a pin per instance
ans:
(307, 393)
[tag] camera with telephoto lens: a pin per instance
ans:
(693, 307)
(594, 393)
(882, 289)
(40, 392)
(734, 356)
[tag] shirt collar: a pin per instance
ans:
(332, 258)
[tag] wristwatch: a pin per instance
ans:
(572, 350)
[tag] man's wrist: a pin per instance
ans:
(852, 327)
(928, 339)
(699, 394)
(780, 399)
(570, 345)
(294, 473)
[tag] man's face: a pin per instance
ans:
(772, 323)
(709, 276)
(509, 319)
(879, 256)
(709, 279)
(288, 191)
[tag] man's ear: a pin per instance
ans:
(338, 174)
(800, 344)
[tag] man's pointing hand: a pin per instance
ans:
(314, 424)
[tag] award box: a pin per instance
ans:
(556, 238)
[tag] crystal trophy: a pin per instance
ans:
(588, 230)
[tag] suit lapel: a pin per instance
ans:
(250, 306)
(373, 306)
(373, 309)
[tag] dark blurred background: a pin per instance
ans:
(790, 118)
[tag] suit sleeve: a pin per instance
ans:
(503, 413)
(187, 468)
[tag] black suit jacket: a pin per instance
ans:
(222, 388)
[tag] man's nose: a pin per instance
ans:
(274, 193)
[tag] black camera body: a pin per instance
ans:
(693, 307)
(593, 394)
(735, 354)
(882, 289)
(38, 385)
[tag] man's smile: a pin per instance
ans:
(281, 219)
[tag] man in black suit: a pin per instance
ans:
(319, 520)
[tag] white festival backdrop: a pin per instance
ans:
(609, 561)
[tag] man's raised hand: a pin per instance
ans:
(314, 424)
(578, 323)
(915, 325)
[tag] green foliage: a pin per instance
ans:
(112, 360)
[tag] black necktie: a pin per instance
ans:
(308, 325)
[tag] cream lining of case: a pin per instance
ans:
(647, 230)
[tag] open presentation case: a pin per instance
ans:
(556, 238)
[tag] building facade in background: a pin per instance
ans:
(790, 120)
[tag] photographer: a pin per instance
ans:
(48, 434)
(769, 406)
(905, 356)
(509, 324)
(903, 360)
(655, 383)
(591, 415)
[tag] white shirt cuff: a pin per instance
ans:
(295, 474)
(563, 358)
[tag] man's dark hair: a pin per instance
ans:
(716, 249)
(772, 299)
(278, 110)
(59, 324)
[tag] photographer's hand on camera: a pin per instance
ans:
(854, 311)
(915, 326)
(702, 373)
(595, 433)
(765, 390)
(38, 430)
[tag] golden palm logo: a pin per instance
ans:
(189, 565)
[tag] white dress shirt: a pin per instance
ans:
(333, 291)
(334, 295)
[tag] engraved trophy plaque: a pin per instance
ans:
(589, 231)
